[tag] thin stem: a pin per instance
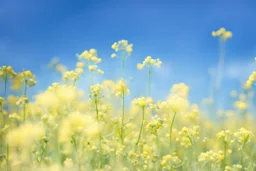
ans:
(5, 85)
(157, 151)
(123, 60)
(149, 79)
(225, 154)
(42, 154)
(171, 127)
(241, 154)
(122, 125)
(190, 140)
(96, 107)
(97, 117)
(220, 63)
(25, 95)
(220, 70)
(7, 146)
(141, 127)
(76, 149)
(7, 157)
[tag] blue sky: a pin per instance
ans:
(177, 32)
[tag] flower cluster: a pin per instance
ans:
(28, 78)
(121, 88)
(154, 125)
(243, 135)
(222, 33)
(7, 72)
(211, 157)
(188, 136)
(149, 61)
(170, 162)
(252, 78)
(142, 101)
(92, 57)
(226, 136)
(70, 76)
(123, 46)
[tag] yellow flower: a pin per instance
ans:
(100, 71)
(114, 46)
(140, 66)
(70, 75)
(243, 135)
(149, 61)
(113, 55)
(68, 163)
(222, 33)
(241, 105)
(142, 101)
(80, 64)
(93, 51)
(92, 67)
(121, 88)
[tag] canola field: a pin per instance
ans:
(65, 128)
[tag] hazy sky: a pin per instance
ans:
(176, 31)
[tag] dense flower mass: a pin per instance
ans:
(66, 128)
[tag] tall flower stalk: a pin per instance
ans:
(29, 81)
(141, 102)
(6, 72)
(125, 49)
(171, 127)
(91, 56)
(149, 62)
(121, 90)
(96, 92)
(223, 35)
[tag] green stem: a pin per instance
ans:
(157, 152)
(76, 150)
(42, 154)
(7, 146)
(171, 127)
(123, 59)
(5, 85)
(190, 140)
(141, 127)
(149, 80)
(96, 107)
(7, 157)
(241, 154)
(220, 64)
(97, 117)
(225, 154)
(122, 125)
(25, 95)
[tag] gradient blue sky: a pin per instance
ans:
(176, 31)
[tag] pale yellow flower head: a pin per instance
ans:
(150, 62)
(222, 33)
(121, 88)
(123, 46)
(142, 101)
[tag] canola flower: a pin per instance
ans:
(223, 36)
(149, 62)
(61, 128)
(123, 47)
(91, 56)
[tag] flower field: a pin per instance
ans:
(66, 128)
